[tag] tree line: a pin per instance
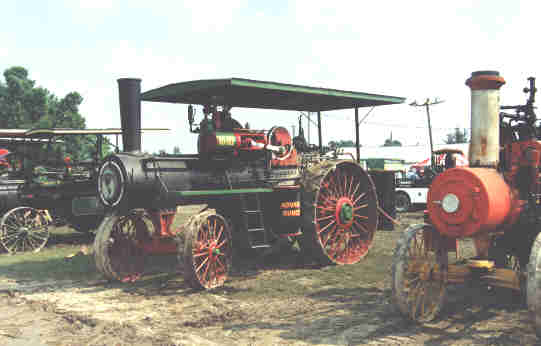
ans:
(24, 105)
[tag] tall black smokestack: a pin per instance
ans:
(129, 94)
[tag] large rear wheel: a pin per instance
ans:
(339, 207)
(117, 247)
(24, 229)
(419, 273)
(208, 249)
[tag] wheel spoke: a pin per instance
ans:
(331, 232)
(363, 229)
(352, 194)
(324, 218)
(327, 226)
(220, 232)
(201, 265)
(224, 242)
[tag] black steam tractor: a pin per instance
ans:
(39, 189)
(250, 179)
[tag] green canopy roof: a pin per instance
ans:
(237, 92)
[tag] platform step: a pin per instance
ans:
(261, 246)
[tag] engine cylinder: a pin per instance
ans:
(464, 201)
(485, 122)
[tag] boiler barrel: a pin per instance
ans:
(464, 201)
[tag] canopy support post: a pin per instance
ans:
(99, 147)
(319, 132)
(358, 150)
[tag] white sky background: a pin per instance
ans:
(413, 49)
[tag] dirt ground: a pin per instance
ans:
(275, 299)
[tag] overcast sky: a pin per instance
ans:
(413, 49)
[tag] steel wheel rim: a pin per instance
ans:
(24, 229)
(210, 254)
(345, 240)
(425, 277)
(124, 250)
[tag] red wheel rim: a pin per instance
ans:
(346, 217)
(211, 252)
(125, 252)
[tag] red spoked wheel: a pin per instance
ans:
(340, 212)
(118, 249)
(208, 250)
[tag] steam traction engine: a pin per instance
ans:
(250, 179)
(495, 201)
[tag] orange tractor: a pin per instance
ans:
(494, 201)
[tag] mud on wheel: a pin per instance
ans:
(419, 273)
(207, 252)
(339, 207)
(117, 247)
(24, 229)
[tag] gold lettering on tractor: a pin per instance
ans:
(291, 212)
(291, 208)
(226, 141)
(290, 205)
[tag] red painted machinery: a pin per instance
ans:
(253, 183)
(495, 201)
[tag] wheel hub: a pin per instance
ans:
(23, 232)
(213, 250)
(344, 212)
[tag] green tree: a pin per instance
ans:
(176, 150)
(342, 143)
(389, 142)
(457, 136)
(23, 105)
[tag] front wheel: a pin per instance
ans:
(118, 251)
(419, 273)
(208, 249)
(402, 202)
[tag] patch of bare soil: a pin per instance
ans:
(276, 299)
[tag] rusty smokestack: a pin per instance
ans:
(129, 94)
(485, 119)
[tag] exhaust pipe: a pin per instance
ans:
(129, 94)
(485, 118)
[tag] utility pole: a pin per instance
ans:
(308, 127)
(292, 130)
(427, 104)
